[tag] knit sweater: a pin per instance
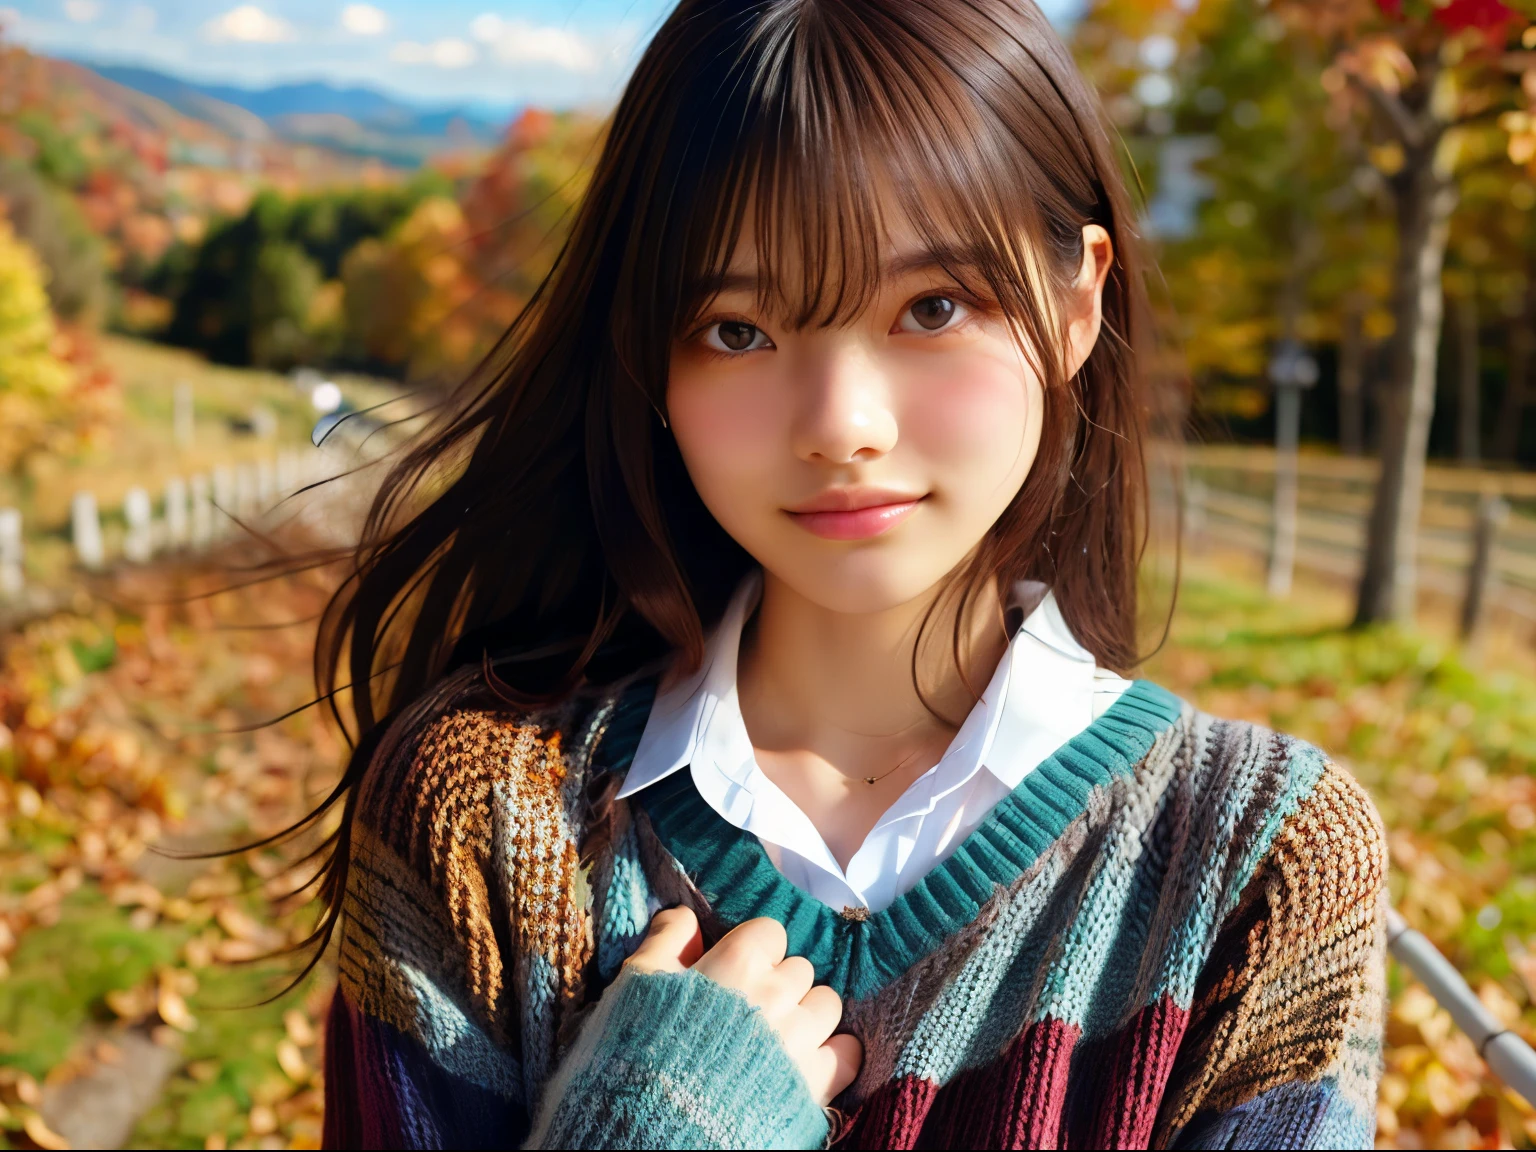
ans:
(1171, 934)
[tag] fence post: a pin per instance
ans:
(246, 495)
(1282, 548)
(12, 579)
(1291, 369)
(139, 513)
(202, 512)
(224, 498)
(1481, 574)
(85, 531)
(176, 513)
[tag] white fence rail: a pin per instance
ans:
(193, 513)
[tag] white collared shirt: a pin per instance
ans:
(1046, 690)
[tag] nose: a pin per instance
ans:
(844, 412)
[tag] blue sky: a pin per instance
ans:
(438, 51)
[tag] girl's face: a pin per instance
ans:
(861, 464)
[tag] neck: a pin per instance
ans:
(812, 677)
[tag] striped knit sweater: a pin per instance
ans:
(1171, 934)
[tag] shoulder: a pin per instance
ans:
(1296, 811)
(468, 823)
(452, 766)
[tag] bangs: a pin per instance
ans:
(828, 119)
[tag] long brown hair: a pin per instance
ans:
(546, 525)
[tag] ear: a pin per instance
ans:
(1085, 302)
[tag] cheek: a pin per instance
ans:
(975, 421)
(723, 421)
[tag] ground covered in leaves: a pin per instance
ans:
(130, 1003)
(132, 979)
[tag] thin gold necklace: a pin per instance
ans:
(904, 762)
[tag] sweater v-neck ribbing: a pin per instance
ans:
(859, 957)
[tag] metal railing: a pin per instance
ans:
(1507, 1056)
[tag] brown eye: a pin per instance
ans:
(735, 336)
(933, 312)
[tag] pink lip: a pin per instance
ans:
(854, 514)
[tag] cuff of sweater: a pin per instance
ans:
(676, 1060)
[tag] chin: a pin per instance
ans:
(863, 580)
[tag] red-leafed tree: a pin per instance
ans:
(1438, 83)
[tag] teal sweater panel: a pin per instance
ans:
(675, 1060)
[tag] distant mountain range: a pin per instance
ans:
(361, 121)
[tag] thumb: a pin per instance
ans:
(673, 941)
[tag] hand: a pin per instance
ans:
(750, 960)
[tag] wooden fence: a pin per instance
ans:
(1477, 534)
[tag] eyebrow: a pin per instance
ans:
(925, 260)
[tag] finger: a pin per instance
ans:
(673, 941)
(795, 975)
(762, 936)
(849, 1054)
(832, 1067)
(745, 957)
(806, 1027)
(823, 1010)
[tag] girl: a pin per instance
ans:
(750, 759)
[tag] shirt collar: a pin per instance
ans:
(1039, 697)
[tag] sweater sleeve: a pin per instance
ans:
(676, 1061)
(1284, 1043)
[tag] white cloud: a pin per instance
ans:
(142, 18)
(249, 24)
(518, 42)
(446, 53)
(82, 11)
(364, 20)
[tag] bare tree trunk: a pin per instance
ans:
(1468, 380)
(1352, 379)
(1425, 200)
(1506, 436)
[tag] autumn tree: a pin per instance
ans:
(34, 381)
(1431, 82)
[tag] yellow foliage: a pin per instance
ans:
(33, 379)
(405, 295)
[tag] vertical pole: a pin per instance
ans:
(85, 530)
(1282, 553)
(12, 578)
(223, 499)
(1481, 574)
(176, 513)
(202, 512)
(139, 544)
(246, 497)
